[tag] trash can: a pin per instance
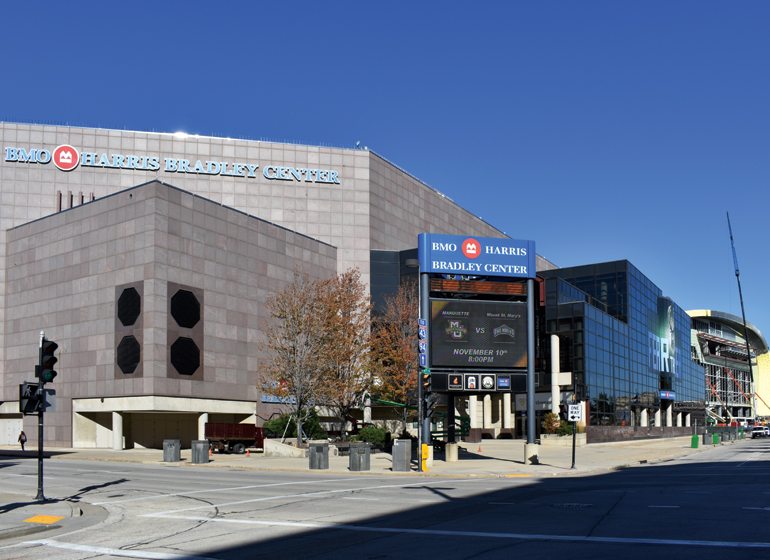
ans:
(319, 456)
(715, 439)
(402, 455)
(694, 442)
(360, 457)
(706, 438)
(200, 451)
(172, 450)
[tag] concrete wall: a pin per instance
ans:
(402, 207)
(66, 268)
(762, 384)
(601, 434)
(334, 213)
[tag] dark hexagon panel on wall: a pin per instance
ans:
(129, 329)
(185, 309)
(129, 354)
(184, 332)
(129, 306)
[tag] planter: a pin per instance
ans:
(553, 440)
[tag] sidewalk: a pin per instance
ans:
(495, 458)
(21, 516)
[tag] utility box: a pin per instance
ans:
(402, 455)
(172, 451)
(360, 457)
(200, 451)
(319, 456)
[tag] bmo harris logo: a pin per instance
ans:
(471, 248)
(64, 157)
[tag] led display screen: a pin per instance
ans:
(478, 334)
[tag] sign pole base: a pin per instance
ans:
(531, 454)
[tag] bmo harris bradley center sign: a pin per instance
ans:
(476, 256)
(466, 334)
(68, 158)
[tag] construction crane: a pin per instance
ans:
(740, 297)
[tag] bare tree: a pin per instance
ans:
(296, 338)
(393, 357)
(347, 312)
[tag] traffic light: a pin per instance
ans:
(45, 370)
(29, 399)
(426, 380)
(431, 402)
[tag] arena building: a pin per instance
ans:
(737, 383)
(148, 257)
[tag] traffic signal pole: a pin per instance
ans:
(45, 373)
(40, 411)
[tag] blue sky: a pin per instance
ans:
(602, 130)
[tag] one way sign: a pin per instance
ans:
(575, 413)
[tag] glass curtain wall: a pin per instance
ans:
(627, 345)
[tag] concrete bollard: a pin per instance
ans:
(451, 450)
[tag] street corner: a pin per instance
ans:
(21, 516)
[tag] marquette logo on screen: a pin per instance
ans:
(471, 248)
(456, 330)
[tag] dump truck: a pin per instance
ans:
(225, 437)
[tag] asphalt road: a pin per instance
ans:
(714, 505)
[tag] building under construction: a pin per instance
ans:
(736, 379)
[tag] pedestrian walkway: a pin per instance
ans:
(488, 458)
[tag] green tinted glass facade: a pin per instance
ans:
(627, 345)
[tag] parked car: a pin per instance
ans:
(767, 431)
(758, 431)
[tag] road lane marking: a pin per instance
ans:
(475, 534)
(122, 553)
(158, 496)
(309, 495)
(751, 458)
(363, 499)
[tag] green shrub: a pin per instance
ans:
(275, 427)
(372, 434)
(564, 429)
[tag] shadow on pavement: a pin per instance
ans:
(634, 513)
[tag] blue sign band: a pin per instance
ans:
(465, 255)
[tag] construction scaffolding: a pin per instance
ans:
(730, 394)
